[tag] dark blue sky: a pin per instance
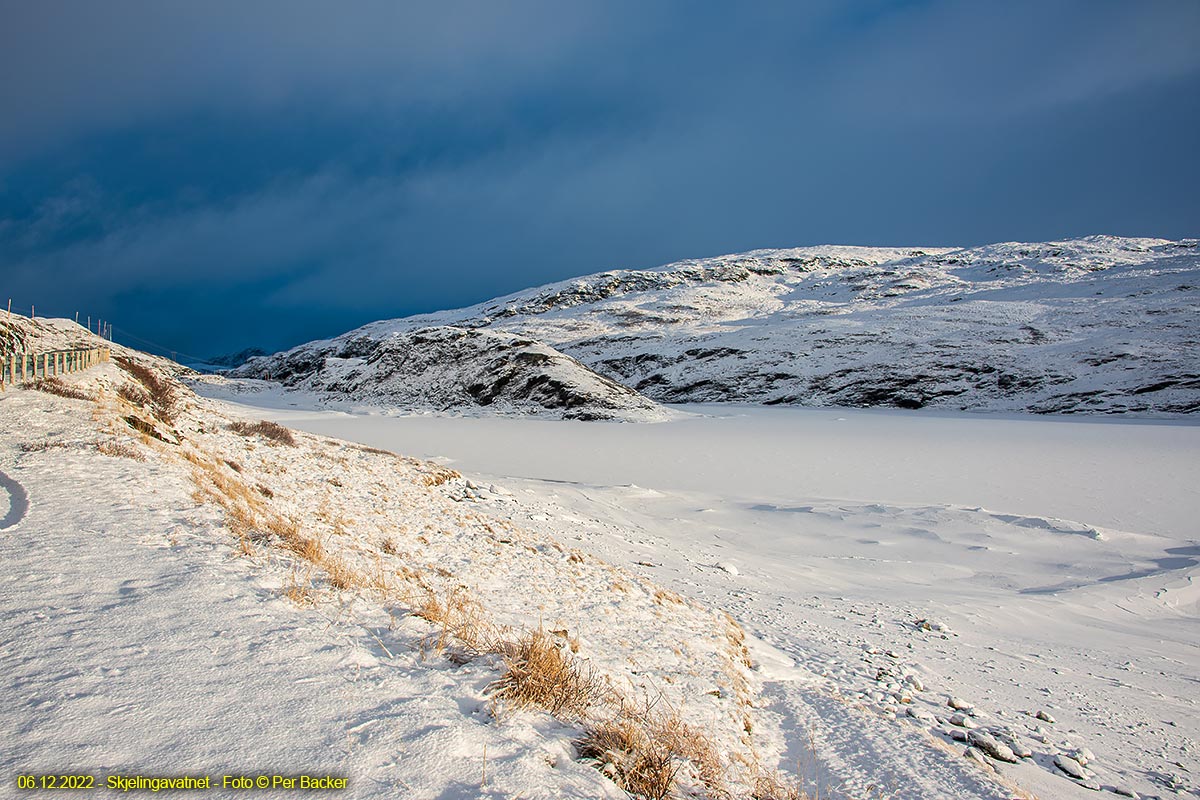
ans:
(211, 176)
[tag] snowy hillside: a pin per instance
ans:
(334, 609)
(1094, 325)
(448, 368)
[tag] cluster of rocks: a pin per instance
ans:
(896, 688)
(990, 743)
(468, 491)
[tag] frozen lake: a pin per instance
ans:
(1132, 476)
(1060, 554)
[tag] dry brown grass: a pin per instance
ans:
(308, 548)
(134, 395)
(299, 588)
(459, 617)
(162, 391)
(641, 764)
(253, 521)
(118, 449)
(40, 446)
(542, 672)
(271, 431)
(777, 786)
(374, 450)
(57, 386)
(246, 514)
(664, 596)
(433, 475)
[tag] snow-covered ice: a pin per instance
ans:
(1015, 566)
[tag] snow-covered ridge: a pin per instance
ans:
(1099, 324)
(447, 368)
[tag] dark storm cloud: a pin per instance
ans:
(298, 168)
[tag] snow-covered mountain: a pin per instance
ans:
(445, 368)
(1096, 324)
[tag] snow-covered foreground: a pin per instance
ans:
(137, 642)
(1054, 563)
(193, 595)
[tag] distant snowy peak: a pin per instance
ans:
(455, 369)
(1097, 324)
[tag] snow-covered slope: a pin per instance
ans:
(446, 368)
(1097, 324)
(158, 541)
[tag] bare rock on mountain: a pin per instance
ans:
(449, 368)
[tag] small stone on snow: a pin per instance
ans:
(921, 715)
(1071, 767)
(1083, 756)
(958, 704)
(995, 749)
(1014, 743)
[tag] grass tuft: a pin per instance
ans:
(164, 397)
(542, 672)
(57, 386)
(459, 617)
(776, 786)
(119, 449)
(639, 763)
(135, 395)
(271, 431)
